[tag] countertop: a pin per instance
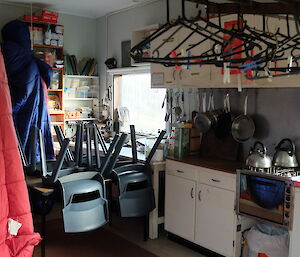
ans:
(211, 163)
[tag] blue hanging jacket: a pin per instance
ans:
(25, 74)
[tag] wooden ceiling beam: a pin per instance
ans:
(252, 7)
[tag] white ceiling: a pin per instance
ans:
(86, 8)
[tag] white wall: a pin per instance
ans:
(117, 27)
(80, 33)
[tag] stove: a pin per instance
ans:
(278, 171)
(267, 194)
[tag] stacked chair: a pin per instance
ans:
(81, 178)
(84, 204)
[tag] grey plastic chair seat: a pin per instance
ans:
(84, 205)
(136, 194)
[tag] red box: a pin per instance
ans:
(48, 13)
(50, 19)
(30, 18)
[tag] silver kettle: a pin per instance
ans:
(258, 157)
(285, 157)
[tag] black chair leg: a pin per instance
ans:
(146, 227)
(110, 199)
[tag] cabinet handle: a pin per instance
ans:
(180, 171)
(199, 195)
(216, 180)
(192, 193)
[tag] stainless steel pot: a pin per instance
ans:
(285, 155)
(258, 157)
(206, 120)
(243, 126)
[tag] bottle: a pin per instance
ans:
(171, 143)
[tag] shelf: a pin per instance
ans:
(81, 119)
(42, 23)
(48, 46)
(56, 112)
(59, 69)
(81, 77)
(55, 90)
(80, 99)
(57, 123)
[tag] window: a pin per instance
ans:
(133, 92)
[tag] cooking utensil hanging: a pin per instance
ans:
(224, 122)
(207, 120)
(243, 126)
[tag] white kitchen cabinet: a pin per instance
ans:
(215, 219)
(180, 206)
(199, 206)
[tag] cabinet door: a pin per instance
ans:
(180, 206)
(215, 219)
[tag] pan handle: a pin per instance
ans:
(246, 105)
(227, 103)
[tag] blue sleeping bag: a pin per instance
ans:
(25, 73)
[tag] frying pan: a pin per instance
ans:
(224, 122)
(243, 126)
(206, 120)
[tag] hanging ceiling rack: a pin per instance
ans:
(252, 6)
(274, 45)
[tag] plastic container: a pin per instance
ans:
(75, 83)
(268, 193)
(171, 146)
(83, 92)
(93, 91)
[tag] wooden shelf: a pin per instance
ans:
(81, 119)
(55, 90)
(48, 46)
(42, 23)
(80, 99)
(59, 69)
(56, 112)
(81, 77)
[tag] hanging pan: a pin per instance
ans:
(223, 126)
(206, 120)
(243, 126)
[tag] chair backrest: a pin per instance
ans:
(22, 153)
(133, 144)
(96, 145)
(101, 140)
(33, 138)
(43, 154)
(60, 136)
(88, 145)
(155, 146)
(59, 160)
(109, 153)
(106, 172)
(78, 143)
